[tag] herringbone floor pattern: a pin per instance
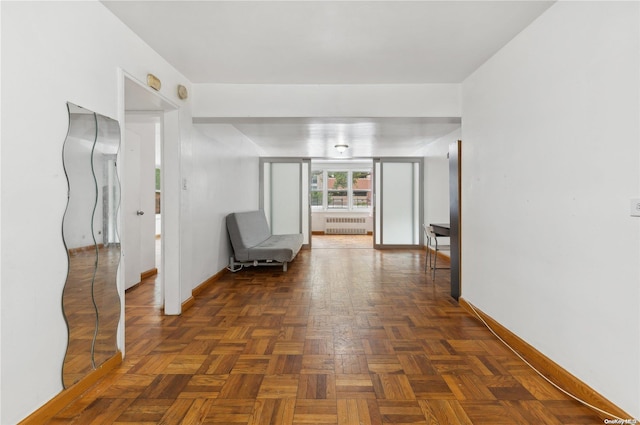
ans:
(346, 336)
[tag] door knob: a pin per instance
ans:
(140, 212)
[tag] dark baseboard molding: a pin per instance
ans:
(132, 287)
(66, 396)
(60, 401)
(204, 285)
(548, 367)
(187, 304)
(148, 273)
(143, 276)
(198, 289)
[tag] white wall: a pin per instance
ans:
(224, 180)
(326, 100)
(550, 159)
(436, 176)
(52, 52)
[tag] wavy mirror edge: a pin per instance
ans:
(105, 292)
(91, 303)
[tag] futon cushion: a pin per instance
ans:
(246, 230)
(252, 240)
(278, 248)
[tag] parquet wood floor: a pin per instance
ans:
(342, 241)
(346, 336)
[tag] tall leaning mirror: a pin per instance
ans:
(90, 299)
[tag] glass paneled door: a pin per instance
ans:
(398, 204)
(284, 195)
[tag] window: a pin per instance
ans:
(317, 188)
(337, 190)
(361, 189)
(341, 190)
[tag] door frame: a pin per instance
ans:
(155, 104)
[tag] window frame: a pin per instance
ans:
(321, 190)
(350, 207)
(352, 190)
(343, 189)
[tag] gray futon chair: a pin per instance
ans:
(254, 245)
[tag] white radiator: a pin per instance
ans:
(345, 226)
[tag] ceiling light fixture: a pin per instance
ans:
(341, 147)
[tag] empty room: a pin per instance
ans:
(463, 178)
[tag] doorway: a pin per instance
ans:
(143, 137)
(341, 194)
(150, 131)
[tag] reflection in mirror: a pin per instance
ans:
(90, 300)
(105, 291)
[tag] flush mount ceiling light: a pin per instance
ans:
(341, 147)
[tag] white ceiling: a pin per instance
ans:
(326, 42)
(317, 137)
(329, 42)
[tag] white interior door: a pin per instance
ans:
(131, 206)
(146, 127)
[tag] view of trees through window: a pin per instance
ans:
(341, 190)
(317, 188)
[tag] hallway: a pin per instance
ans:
(346, 336)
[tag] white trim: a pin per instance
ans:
(171, 288)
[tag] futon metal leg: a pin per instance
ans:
(233, 266)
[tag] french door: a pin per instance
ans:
(398, 202)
